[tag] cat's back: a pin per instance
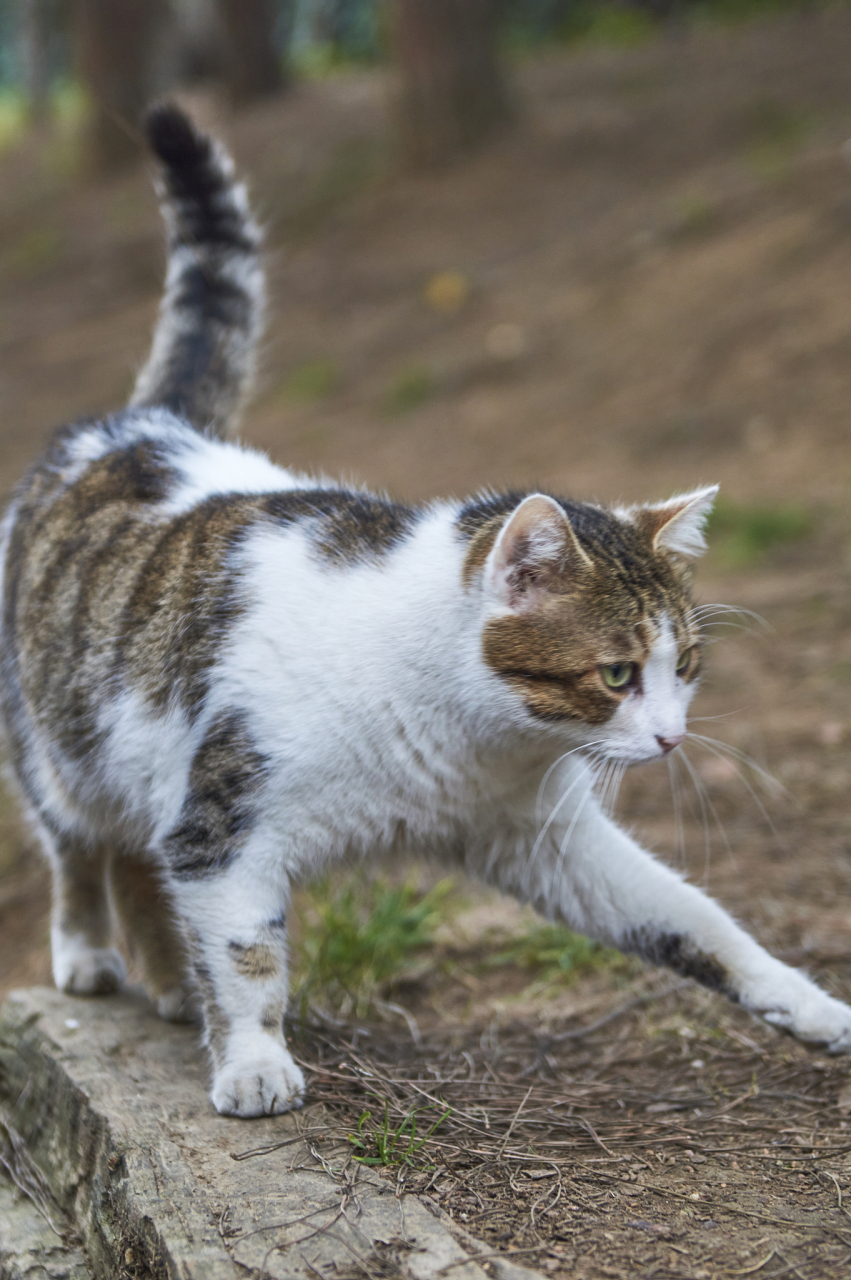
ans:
(118, 566)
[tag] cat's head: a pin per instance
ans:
(588, 616)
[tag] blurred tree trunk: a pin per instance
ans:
(453, 95)
(115, 42)
(253, 66)
(34, 35)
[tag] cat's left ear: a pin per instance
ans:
(678, 525)
(535, 550)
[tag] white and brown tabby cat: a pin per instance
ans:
(218, 676)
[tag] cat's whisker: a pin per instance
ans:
(703, 613)
(706, 807)
(723, 716)
(700, 785)
(603, 782)
(609, 798)
(581, 776)
(539, 799)
(732, 755)
(674, 778)
(562, 849)
(771, 784)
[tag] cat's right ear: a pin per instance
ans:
(536, 548)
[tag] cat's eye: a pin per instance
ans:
(618, 675)
(684, 661)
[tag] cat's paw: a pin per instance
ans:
(823, 1022)
(181, 1004)
(263, 1084)
(87, 971)
(800, 1007)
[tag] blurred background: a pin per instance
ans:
(597, 245)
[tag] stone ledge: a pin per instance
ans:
(30, 1249)
(110, 1105)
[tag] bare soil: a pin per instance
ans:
(667, 234)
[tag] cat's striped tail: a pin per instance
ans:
(205, 342)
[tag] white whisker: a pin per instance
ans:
(539, 799)
(701, 789)
(704, 802)
(673, 776)
(767, 779)
(542, 834)
(562, 849)
(733, 754)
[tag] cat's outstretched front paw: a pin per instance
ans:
(261, 1084)
(87, 971)
(824, 1022)
(800, 1007)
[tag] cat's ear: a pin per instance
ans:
(678, 525)
(535, 548)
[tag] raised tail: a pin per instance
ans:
(205, 343)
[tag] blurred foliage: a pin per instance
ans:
(326, 34)
(556, 952)
(774, 133)
(358, 936)
(411, 387)
(37, 250)
(742, 535)
(353, 168)
(312, 381)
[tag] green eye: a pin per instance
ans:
(684, 662)
(618, 675)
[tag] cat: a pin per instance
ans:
(219, 676)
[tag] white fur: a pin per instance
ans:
(365, 688)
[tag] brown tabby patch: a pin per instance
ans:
(272, 1018)
(347, 528)
(551, 655)
(257, 961)
(104, 593)
(217, 815)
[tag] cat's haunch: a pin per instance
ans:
(219, 676)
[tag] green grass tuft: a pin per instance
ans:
(379, 1143)
(354, 167)
(742, 536)
(556, 952)
(37, 250)
(313, 380)
(775, 133)
(411, 388)
(358, 937)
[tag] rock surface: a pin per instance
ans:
(106, 1111)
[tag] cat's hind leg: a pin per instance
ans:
(154, 938)
(84, 962)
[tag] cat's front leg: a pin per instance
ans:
(598, 880)
(236, 928)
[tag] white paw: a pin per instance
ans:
(87, 971)
(265, 1084)
(800, 1007)
(181, 1004)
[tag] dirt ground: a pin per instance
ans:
(653, 273)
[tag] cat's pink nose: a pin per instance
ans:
(668, 744)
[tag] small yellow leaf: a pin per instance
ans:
(447, 291)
